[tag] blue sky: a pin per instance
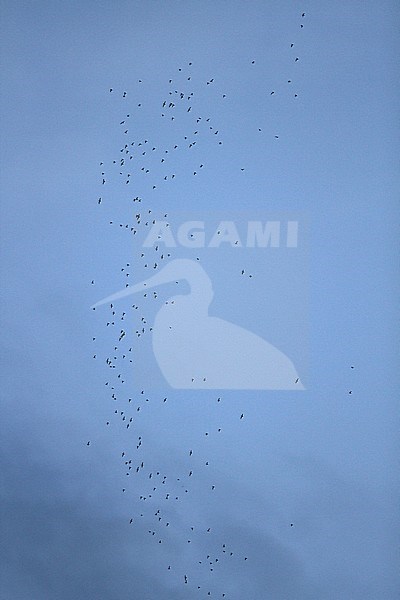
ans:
(322, 460)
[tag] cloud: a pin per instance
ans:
(65, 541)
(59, 545)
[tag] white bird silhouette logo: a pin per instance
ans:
(196, 351)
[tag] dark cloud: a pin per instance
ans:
(57, 544)
(66, 530)
(64, 541)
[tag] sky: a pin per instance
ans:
(269, 494)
